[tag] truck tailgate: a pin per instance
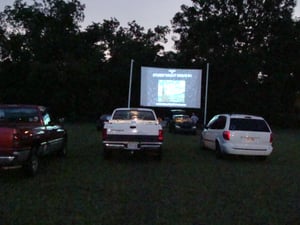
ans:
(133, 128)
(6, 137)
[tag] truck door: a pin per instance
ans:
(54, 133)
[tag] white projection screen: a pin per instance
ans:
(161, 87)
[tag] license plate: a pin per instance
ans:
(249, 139)
(132, 145)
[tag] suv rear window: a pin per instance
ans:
(248, 125)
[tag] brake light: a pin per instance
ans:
(271, 138)
(20, 137)
(160, 135)
(104, 133)
(226, 135)
(16, 139)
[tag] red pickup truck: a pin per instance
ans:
(27, 132)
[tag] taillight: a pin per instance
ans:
(104, 133)
(160, 135)
(16, 139)
(226, 135)
(271, 138)
(21, 137)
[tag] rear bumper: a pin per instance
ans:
(132, 146)
(15, 158)
(261, 150)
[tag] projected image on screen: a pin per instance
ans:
(171, 91)
(163, 87)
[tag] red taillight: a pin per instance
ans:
(160, 135)
(271, 138)
(226, 135)
(16, 139)
(21, 137)
(104, 134)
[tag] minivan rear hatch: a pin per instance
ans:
(249, 131)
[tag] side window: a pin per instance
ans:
(211, 122)
(46, 119)
(219, 123)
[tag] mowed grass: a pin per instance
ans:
(189, 186)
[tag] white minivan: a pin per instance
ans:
(238, 134)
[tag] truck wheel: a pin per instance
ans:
(32, 164)
(63, 151)
(262, 158)
(158, 154)
(106, 153)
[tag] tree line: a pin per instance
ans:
(252, 48)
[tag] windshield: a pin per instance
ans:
(18, 115)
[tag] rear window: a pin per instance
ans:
(18, 115)
(248, 125)
(133, 114)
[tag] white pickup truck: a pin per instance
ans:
(133, 129)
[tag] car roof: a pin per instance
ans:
(241, 116)
(42, 108)
(144, 109)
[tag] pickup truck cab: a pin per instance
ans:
(133, 129)
(27, 132)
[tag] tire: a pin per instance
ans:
(32, 164)
(219, 153)
(107, 153)
(64, 150)
(158, 154)
(202, 147)
(261, 158)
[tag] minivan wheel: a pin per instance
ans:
(202, 147)
(219, 153)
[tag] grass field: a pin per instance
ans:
(189, 186)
